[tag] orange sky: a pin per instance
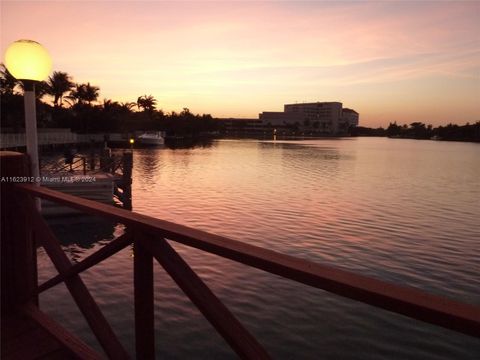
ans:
(390, 61)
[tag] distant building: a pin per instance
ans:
(241, 125)
(279, 118)
(318, 117)
(350, 116)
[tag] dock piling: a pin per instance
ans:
(127, 165)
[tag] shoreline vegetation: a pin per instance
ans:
(76, 106)
(62, 103)
(420, 131)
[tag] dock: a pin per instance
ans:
(53, 137)
(23, 228)
(105, 178)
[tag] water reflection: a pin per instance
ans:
(403, 211)
(188, 143)
(79, 233)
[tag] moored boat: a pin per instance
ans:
(151, 138)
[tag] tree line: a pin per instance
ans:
(63, 103)
(419, 130)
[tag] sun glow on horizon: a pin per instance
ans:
(399, 62)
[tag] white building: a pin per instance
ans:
(350, 116)
(320, 117)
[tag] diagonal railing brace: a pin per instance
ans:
(241, 341)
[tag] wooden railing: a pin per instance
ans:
(149, 238)
(93, 164)
(78, 163)
(118, 164)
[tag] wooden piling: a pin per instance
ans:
(127, 179)
(18, 250)
(106, 159)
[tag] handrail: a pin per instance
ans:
(414, 303)
(79, 162)
(76, 287)
(105, 252)
(239, 339)
(113, 164)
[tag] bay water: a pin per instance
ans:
(404, 211)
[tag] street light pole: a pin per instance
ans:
(28, 61)
(31, 127)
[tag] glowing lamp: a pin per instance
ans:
(28, 60)
(132, 140)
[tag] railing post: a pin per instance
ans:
(144, 302)
(105, 159)
(127, 165)
(18, 250)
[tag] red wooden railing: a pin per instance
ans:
(149, 238)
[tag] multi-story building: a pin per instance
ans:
(319, 117)
(350, 116)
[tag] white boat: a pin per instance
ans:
(151, 138)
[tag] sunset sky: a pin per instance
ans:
(390, 61)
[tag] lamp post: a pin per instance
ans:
(29, 62)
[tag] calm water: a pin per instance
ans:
(404, 211)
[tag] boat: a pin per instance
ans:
(151, 138)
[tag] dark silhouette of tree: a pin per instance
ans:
(417, 130)
(91, 93)
(84, 94)
(127, 106)
(109, 105)
(146, 103)
(7, 81)
(58, 84)
(365, 131)
(11, 111)
(394, 129)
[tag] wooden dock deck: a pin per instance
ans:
(105, 178)
(98, 187)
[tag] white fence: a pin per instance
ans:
(11, 140)
(86, 138)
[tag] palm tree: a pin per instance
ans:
(109, 105)
(147, 103)
(58, 85)
(91, 93)
(76, 95)
(84, 93)
(7, 81)
(127, 106)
